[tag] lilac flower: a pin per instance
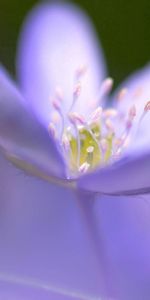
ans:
(74, 173)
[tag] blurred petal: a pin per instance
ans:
(12, 288)
(44, 240)
(131, 175)
(124, 225)
(56, 40)
(21, 135)
(138, 93)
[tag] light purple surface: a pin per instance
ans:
(45, 237)
(123, 224)
(56, 40)
(130, 175)
(22, 135)
(16, 290)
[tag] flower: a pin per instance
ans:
(74, 216)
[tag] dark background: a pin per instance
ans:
(123, 27)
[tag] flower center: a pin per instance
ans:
(96, 141)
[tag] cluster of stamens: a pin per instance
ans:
(92, 142)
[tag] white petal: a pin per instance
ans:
(22, 136)
(56, 40)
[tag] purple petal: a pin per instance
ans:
(56, 40)
(138, 94)
(44, 240)
(131, 175)
(12, 288)
(21, 135)
(124, 224)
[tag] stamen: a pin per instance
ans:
(104, 148)
(80, 72)
(77, 91)
(94, 141)
(131, 116)
(76, 118)
(77, 86)
(92, 134)
(96, 114)
(147, 106)
(122, 93)
(111, 112)
(90, 151)
(118, 142)
(122, 142)
(55, 117)
(109, 126)
(59, 94)
(84, 167)
(132, 112)
(145, 111)
(56, 105)
(65, 143)
(52, 130)
(106, 87)
(76, 94)
(104, 145)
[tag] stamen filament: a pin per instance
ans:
(56, 105)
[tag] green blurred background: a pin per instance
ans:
(123, 27)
